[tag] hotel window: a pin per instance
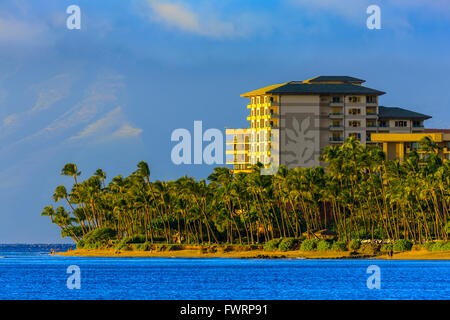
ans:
(371, 111)
(354, 111)
(354, 123)
(265, 99)
(258, 100)
(383, 124)
(401, 124)
(336, 99)
(271, 99)
(354, 99)
(371, 99)
(336, 124)
(355, 135)
(371, 124)
(417, 124)
(253, 100)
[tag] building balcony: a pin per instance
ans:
(336, 139)
(263, 105)
(231, 152)
(233, 142)
(336, 114)
(336, 103)
(371, 114)
(336, 126)
(263, 117)
(371, 126)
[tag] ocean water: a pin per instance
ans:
(28, 272)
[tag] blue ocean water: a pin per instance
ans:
(28, 272)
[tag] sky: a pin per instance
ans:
(111, 93)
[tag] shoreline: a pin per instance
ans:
(418, 254)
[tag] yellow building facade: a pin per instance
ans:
(397, 145)
(293, 122)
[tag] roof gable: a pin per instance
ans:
(400, 113)
(345, 79)
(323, 88)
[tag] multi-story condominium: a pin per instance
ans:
(291, 123)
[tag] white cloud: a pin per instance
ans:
(14, 31)
(113, 125)
(127, 131)
(49, 93)
(200, 18)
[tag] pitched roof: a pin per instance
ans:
(261, 91)
(295, 87)
(335, 79)
(399, 113)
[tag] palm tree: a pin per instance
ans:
(70, 169)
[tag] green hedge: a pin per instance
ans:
(438, 246)
(272, 244)
(323, 245)
(387, 247)
(287, 244)
(339, 246)
(354, 245)
(308, 245)
(403, 245)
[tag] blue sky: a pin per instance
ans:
(109, 95)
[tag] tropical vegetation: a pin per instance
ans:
(357, 195)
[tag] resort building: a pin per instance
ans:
(291, 123)
(397, 145)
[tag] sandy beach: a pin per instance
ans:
(418, 254)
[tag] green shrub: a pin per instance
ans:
(308, 245)
(287, 244)
(370, 248)
(387, 247)
(323, 245)
(339, 246)
(402, 245)
(134, 240)
(146, 246)
(354, 245)
(272, 244)
(80, 244)
(441, 246)
(429, 246)
(98, 238)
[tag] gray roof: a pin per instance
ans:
(399, 113)
(336, 78)
(323, 88)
